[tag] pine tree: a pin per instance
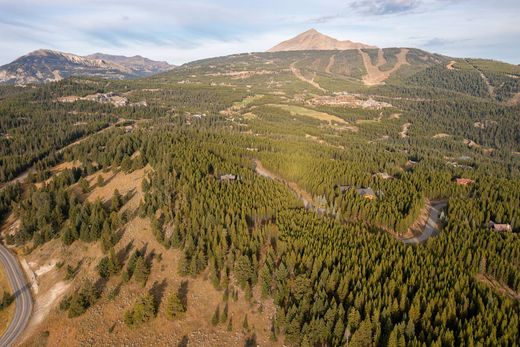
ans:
(230, 324)
(224, 315)
(116, 201)
(174, 306)
(107, 237)
(245, 324)
(142, 271)
(215, 317)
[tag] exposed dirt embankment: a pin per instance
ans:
(404, 131)
(374, 75)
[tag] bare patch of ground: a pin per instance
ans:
(450, 65)
(515, 100)
(404, 131)
(441, 135)
(102, 98)
(102, 324)
(123, 182)
(374, 75)
(45, 303)
(332, 60)
(494, 284)
(31, 276)
(349, 100)
(297, 73)
(10, 225)
(484, 124)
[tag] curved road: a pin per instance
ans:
(23, 300)
(432, 224)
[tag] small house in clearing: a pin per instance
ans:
(500, 227)
(464, 181)
(366, 193)
(228, 178)
(384, 176)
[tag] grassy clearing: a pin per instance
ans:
(247, 101)
(302, 111)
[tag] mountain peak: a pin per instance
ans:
(312, 39)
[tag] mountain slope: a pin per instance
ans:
(314, 40)
(137, 63)
(43, 66)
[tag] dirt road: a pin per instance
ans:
(432, 224)
(304, 196)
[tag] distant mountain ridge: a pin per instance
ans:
(136, 63)
(45, 65)
(312, 40)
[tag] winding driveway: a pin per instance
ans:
(23, 300)
(432, 224)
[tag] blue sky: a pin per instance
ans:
(181, 31)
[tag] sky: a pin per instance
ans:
(183, 31)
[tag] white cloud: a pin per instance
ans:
(180, 31)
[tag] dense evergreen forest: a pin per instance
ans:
(336, 268)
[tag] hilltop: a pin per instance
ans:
(314, 40)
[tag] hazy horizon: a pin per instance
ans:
(179, 32)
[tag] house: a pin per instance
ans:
(464, 181)
(384, 176)
(500, 227)
(410, 164)
(366, 193)
(343, 188)
(228, 177)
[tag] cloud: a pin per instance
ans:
(384, 7)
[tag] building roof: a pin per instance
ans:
(500, 227)
(365, 191)
(228, 177)
(464, 181)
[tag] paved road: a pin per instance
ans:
(23, 298)
(432, 224)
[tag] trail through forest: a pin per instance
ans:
(332, 60)
(298, 74)
(304, 196)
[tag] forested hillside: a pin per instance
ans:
(274, 198)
